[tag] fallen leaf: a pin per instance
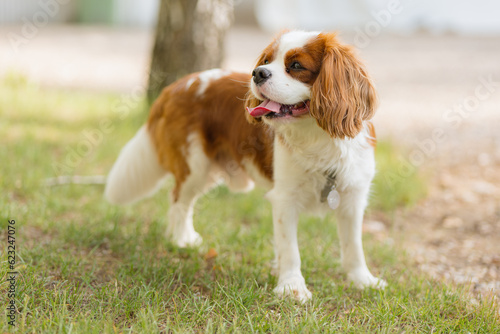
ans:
(211, 254)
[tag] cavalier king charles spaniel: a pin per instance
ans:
(299, 126)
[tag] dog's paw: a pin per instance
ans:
(364, 279)
(294, 287)
(191, 239)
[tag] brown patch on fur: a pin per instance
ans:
(282, 140)
(269, 52)
(343, 96)
(251, 102)
(372, 139)
(217, 116)
(310, 58)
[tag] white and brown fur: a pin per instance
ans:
(199, 132)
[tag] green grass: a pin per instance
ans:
(398, 183)
(88, 267)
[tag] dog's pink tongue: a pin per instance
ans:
(264, 108)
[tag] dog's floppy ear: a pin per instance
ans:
(342, 96)
(251, 102)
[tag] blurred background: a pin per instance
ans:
(426, 56)
(436, 65)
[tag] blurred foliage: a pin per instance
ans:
(397, 183)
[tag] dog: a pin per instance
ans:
(299, 126)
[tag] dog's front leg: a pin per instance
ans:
(350, 220)
(290, 279)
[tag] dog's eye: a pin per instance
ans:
(296, 66)
(266, 62)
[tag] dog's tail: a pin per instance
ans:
(136, 173)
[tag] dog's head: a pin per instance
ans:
(310, 74)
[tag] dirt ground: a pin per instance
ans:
(454, 233)
(439, 96)
(431, 101)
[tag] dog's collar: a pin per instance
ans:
(329, 185)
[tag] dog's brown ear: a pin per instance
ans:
(251, 102)
(342, 96)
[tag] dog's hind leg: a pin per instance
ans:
(199, 180)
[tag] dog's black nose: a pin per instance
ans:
(260, 75)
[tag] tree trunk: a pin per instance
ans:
(189, 38)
